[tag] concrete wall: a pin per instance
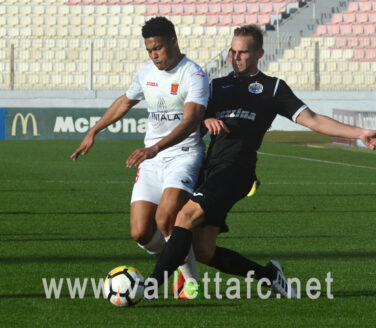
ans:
(321, 102)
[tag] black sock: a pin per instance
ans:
(231, 262)
(173, 253)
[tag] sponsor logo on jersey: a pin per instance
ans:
(185, 181)
(166, 117)
(226, 86)
(197, 194)
(233, 113)
(152, 84)
(200, 74)
(255, 88)
(174, 88)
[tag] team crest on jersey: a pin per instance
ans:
(174, 88)
(255, 88)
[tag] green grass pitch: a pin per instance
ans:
(315, 212)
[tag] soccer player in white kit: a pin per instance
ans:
(176, 91)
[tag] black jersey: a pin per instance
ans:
(248, 106)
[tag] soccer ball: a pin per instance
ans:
(124, 286)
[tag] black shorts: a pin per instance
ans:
(219, 188)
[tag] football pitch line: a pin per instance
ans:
(318, 160)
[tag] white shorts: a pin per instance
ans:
(156, 174)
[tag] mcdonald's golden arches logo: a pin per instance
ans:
(24, 123)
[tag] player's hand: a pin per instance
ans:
(216, 126)
(140, 154)
(368, 137)
(86, 144)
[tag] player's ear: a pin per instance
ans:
(260, 53)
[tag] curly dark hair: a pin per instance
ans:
(158, 26)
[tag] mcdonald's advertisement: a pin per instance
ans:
(67, 123)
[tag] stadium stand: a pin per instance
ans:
(344, 43)
(53, 40)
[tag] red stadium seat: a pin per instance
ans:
(357, 29)
(353, 6)
(212, 20)
(370, 54)
(240, 19)
(321, 30)
(267, 8)
(366, 6)
(372, 17)
(190, 9)
(369, 28)
(177, 9)
(264, 19)
(165, 9)
(240, 8)
(341, 42)
(362, 18)
(334, 29)
(254, 8)
(364, 42)
(359, 54)
(350, 18)
(352, 42)
(251, 18)
(336, 18)
(345, 29)
(202, 8)
(279, 7)
(226, 20)
(152, 10)
(227, 8)
(215, 8)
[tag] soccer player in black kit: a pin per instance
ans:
(242, 106)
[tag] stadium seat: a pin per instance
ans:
(226, 20)
(349, 18)
(365, 6)
(353, 7)
(341, 29)
(239, 19)
(254, 8)
(190, 9)
(267, 8)
(357, 29)
(321, 30)
(165, 9)
(227, 8)
(264, 19)
(215, 8)
(362, 18)
(251, 18)
(202, 8)
(240, 8)
(177, 9)
(212, 20)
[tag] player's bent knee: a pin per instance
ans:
(165, 221)
(204, 253)
(190, 216)
(141, 236)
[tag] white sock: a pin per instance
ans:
(155, 245)
(189, 268)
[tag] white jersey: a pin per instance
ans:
(166, 92)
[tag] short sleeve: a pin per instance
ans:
(135, 91)
(287, 103)
(198, 88)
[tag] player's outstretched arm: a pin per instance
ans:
(193, 114)
(116, 111)
(330, 127)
